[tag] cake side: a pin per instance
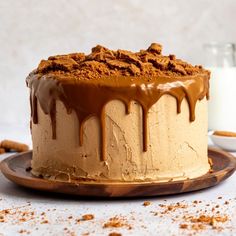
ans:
(89, 99)
(177, 148)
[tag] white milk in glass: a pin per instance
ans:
(222, 103)
(220, 60)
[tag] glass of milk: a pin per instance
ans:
(220, 60)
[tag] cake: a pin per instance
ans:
(119, 116)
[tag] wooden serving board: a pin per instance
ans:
(14, 168)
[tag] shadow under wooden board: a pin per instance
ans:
(14, 168)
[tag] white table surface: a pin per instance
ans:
(143, 221)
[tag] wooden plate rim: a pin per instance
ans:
(44, 184)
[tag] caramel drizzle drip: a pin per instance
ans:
(89, 98)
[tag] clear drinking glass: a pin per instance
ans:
(219, 54)
(220, 60)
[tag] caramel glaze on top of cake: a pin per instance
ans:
(86, 83)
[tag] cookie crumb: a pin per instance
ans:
(183, 226)
(28, 169)
(116, 222)
(44, 222)
(146, 203)
(88, 217)
(114, 234)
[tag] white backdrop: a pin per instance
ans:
(34, 29)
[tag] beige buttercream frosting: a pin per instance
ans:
(175, 150)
